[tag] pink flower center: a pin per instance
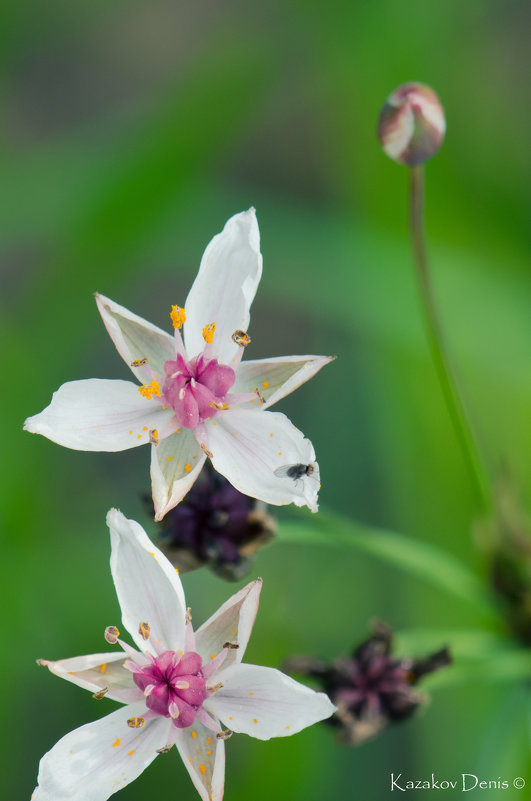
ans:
(196, 390)
(174, 686)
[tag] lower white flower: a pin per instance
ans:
(178, 687)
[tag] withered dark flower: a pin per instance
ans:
(371, 688)
(217, 526)
(506, 537)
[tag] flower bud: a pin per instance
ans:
(411, 125)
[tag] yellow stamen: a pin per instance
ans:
(144, 630)
(208, 333)
(178, 316)
(111, 635)
(205, 450)
(149, 390)
(241, 338)
(221, 406)
(136, 723)
(259, 395)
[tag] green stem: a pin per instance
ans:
(439, 354)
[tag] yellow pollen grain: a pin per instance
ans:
(116, 743)
(288, 727)
(194, 734)
(251, 693)
(149, 390)
(177, 431)
(255, 720)
(195, 456)
(139, 436)
(163, 405)
(130, 432)
(144, 428)
(271, 435)
(233, 633)
(178, 316)
(265, 384)
(209, 754)
(280, 453)
(155, 433)
(190, 761)
(202, 769)
(177, 570)
(212, 656)
(230, 718)
(169, 458)
(187, 467)
(130, 753)
(70, 672)
(103, 667)
(209, 740)
(208, 333)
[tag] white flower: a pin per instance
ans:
(196, 398)
(179, 688)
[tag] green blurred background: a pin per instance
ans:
(131, 132)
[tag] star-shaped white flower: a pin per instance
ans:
(197, 399)
(181, 687)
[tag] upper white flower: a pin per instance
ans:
(178, 687)
(197, 399)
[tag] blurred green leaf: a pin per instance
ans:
(478, 656)
(421, 559)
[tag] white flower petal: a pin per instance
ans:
(248, 446)
(95, 761)
(136, 338)
(276, 378)
(264, 702)
(204, 758)
(98, 415)
(175, 464)
(225, 287)
(149, 589)
(233, 622)
(95, 672)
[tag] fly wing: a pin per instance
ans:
(286, 471)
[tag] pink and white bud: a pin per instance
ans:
(411, 126)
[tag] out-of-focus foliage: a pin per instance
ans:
(131, 132)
